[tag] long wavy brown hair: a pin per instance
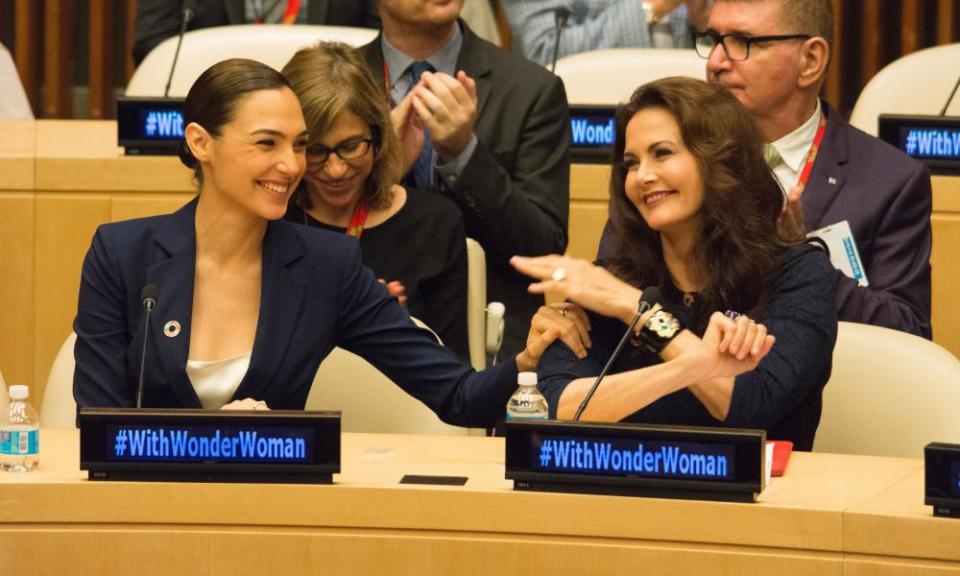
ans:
(738, 244)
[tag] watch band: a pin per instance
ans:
(659, 330)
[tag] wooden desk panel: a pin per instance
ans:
(16, 154)
(54, 521)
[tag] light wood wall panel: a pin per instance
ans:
(65, 227)
(17, 288)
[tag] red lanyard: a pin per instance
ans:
(812, 153)
(358, 220)
(290, 14)
(292, 11)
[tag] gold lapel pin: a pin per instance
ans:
(171, 329)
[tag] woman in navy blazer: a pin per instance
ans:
(235, 282)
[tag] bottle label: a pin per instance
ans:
(521, 416)
(19, 442)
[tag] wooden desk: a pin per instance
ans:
(828, 514)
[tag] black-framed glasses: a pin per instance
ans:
(347, 150)
(736, 46)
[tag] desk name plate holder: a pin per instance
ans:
(150, 126)
(700, 463)
(934, 140)
(593, 132)
(192, 445)
(942, 478)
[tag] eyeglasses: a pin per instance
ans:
(347, 150)
(736, 46)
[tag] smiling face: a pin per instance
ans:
(335, 185)
(663, 178)
(259, 157)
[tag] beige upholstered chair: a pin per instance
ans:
(918, 83)
(484, 320)
(370, 401)
(272, 44)
(59, 409)
(890, 394)
(608, 77)
(13, 100)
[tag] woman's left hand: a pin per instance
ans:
(396, 289)
(737, 345)
(581, 282)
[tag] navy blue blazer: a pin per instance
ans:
(315, 295)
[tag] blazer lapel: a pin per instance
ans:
(828, 174)
(281, 300)
(473, 60)
(173, 274)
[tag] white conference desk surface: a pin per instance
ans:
(830, 513)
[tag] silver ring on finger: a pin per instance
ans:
(559, 274)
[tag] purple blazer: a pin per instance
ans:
(885, 196)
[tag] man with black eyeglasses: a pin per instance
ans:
(842, 185)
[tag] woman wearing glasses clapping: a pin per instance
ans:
(414, 241)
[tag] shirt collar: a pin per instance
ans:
(794, 146)
(443, 60)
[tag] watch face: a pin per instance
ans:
(663, 324)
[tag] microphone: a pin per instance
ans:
(950, 98)
(648, 298)
(148, 297)
(188, 9)
(561, 15)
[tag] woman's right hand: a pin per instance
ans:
(565, 322)
(581, 282)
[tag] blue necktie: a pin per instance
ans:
(423, 169)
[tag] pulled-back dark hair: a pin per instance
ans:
(213, 98)
(738, 246)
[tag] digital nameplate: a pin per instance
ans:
(150, 126)
(942, 478)
(635, 459)
(593, 130)
(931, 139)
(285, 446)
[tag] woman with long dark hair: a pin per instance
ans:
(694, 211)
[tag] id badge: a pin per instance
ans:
(843, 250)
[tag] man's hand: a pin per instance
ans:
(790, 224)
(447, 107)
(409, 129)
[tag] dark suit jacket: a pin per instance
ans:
(514, 191)
(315, 295)
(158, 20)
(885, 196)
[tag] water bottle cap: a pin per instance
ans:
(19, 392)
(527, 378)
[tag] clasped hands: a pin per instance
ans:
(728, 347)
(442, 104)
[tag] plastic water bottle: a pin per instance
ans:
(19, 433)
(527, 401)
